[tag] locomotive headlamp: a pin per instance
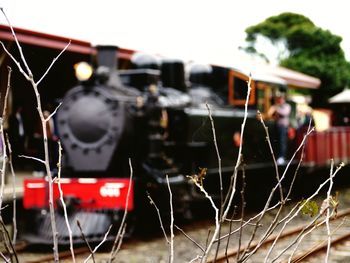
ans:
(83, 71)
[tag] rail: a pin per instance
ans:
(224, 256)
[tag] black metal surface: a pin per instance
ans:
(94, 225)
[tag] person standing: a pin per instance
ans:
(280, 111)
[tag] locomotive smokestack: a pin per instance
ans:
(173, 74)
(107, 56)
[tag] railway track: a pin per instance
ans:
(313, 246)
(156, 249)
(66, 254)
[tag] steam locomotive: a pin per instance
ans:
(154, 114)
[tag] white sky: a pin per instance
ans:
(201, 30)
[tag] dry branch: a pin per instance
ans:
(27, 73)
(62, 201)
(119, 236)
(14, 198)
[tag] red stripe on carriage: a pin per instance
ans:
(106, 193)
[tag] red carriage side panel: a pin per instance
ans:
(321, 150)
(323, 146)
(91, 193)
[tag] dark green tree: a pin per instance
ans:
(311, 50)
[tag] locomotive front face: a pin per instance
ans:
(90, 123)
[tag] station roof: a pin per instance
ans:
(54, 42)
(262, 72)
(294, 78)
(280, 75)
(342, 97)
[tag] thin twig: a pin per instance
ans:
(171, 259)
(6, 236)
(100, 244)
(229, 237)
(118, 236)
(14, 198)
(290, 186)
(272, 154)
(217, 221)
(29, 76)
(86, 241)
(7, 260)
(220, 173)
(120, 241)
(216, 150)
(306, 201)
(328, 199)
(3, 141)
(297, 241)
(54, 112)
(7, 242)
(70, 233)
(248, 222)
(242, 216)
(159, 218)
(189, 238)
(273, 224)
(13, 251)
(32, 158)
(232, 189)
(53, 62)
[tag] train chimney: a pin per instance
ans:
(107, 56)
(173, 74)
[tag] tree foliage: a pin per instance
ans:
(311, 50)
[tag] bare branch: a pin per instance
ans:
(14, 211)
(62, 201)
(118, 236)
(248, 222)
(272, 154)
(120, 241)
(189, 238)
(53, 113)
(217, 221)
(53, 62)
(274, 222)
(232, 189)
(32, 158)
(327, 201)
(306, 201)
(86, 241)
(171, 260)
(15, 61)
(3, 141)
(4, 110)
(30, 75)
(8, 238)
(100, 244)
(216, 149)
(159, 217)
(220, 173)
(7, 260)
(30, 78)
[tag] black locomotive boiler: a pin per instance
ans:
(154, 114)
